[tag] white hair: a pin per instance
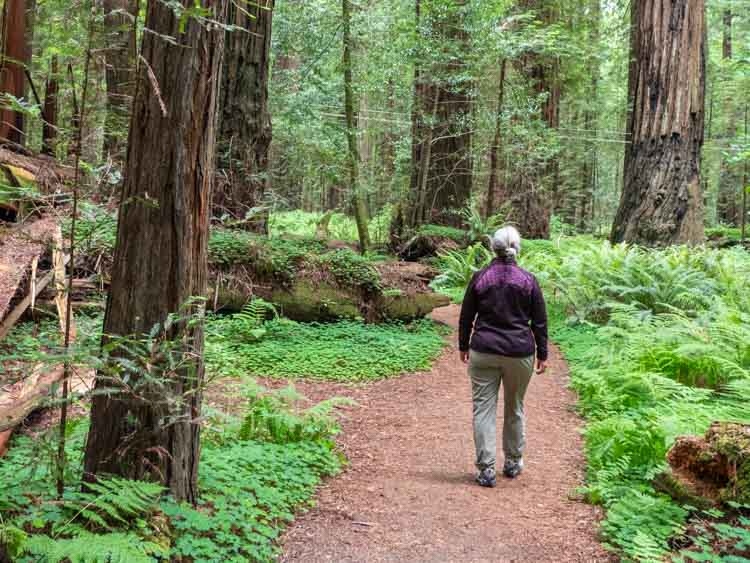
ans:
(506, 242)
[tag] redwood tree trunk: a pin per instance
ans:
(245, 127)
(120, 58)
(727, 206)
(533, 193)
(15, 55)
(496, 195)
(589, 175)
(442, 174)
(49, 114)
(160, 257)
(661, 201)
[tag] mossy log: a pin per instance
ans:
(720, 461)
(323, 285)
(310, 302)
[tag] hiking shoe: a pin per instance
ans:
(513, 468)
(487, 477)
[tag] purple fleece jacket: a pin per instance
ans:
(505, 308)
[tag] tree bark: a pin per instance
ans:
(727, 208)
(388, 152)
(442, 118)
(120, 58)
(49, 114)
(245, 127)
(160, 257)
(661, 202)
(358, 200)
(15, 58)
(495, 195)
(585, 207)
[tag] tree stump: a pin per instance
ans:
(719, 461)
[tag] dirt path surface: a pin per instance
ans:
(409, 493)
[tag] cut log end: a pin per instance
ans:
(716, 465)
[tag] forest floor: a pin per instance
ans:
(409, 492)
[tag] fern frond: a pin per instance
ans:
(94, 548)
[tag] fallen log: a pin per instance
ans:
(18, 249)
(426, 245)
(20, 309)
(21, 398)
(402, 293)
(45, 171)
(25, 396)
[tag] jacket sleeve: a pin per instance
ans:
(539, 321)
(468, 314)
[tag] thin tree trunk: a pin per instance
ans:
(495, 195)
(49, 115)
(14, 58)
(661, 201)
(245, 127)
(75, 116)
(160, 258)
(590, 123)
(358, 201)
(727, 208)
(388, 152)
(450, 173)
(120, 58)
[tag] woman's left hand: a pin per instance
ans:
(464, 357)
(541, 366)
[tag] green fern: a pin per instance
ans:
(252, 318)
(12, 540)
(94, 548)
(640, 524)
(459, 266)
(274, 416)
(111, 502)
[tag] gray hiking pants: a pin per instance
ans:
(487, 371)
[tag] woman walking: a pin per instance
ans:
(503, 321)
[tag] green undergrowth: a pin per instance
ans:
(458, 236)
(341, 227)
(255, 473)
(658, 342)
(278, 258)
(341, 351)
(285, 260)
(723, 232)
(633, 416)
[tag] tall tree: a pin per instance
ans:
(661, 201)
(531, 194)
(245, 126)
(727, 208)
(442, 164)
(49, 113)
(13, 62)
(160, 258)
(495, 193)
(589, 173)
(358, 201)
(120, 59)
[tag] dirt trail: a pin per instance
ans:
(409, 493)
